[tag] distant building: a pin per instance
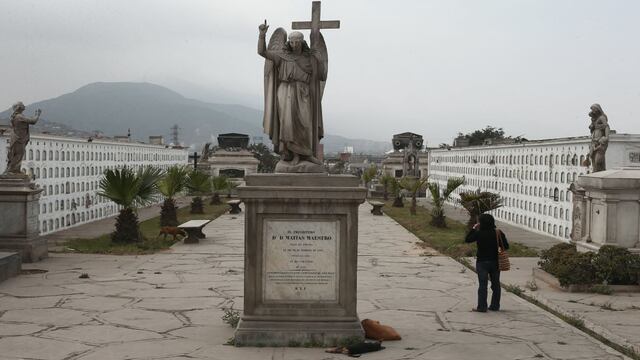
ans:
(405, 160)
(231, 159)
(69, 171)
(156, 140)
(532, 177)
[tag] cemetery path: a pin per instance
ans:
(169, 305)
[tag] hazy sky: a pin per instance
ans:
(430, 67)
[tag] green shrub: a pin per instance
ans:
(553, 258)
(616, 265)
(577, 269)
(612, 265)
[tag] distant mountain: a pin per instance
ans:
(149, 109)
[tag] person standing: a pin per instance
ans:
(485, 235)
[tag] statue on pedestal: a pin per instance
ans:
(294, 80)
(19, 137)
(599, 128)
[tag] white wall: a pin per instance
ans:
(532, 177)
(69, 171)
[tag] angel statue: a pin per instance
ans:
(599, 139)
(19, 137)
(294, 79)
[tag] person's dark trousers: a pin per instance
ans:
(488, 270)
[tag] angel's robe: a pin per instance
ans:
(296, 102)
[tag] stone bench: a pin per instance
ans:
(235, 206)
(193, 228)
(377, 207)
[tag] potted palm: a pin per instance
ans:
(368, 175)
(218, 184)
(198, 184)
(396, 190)
(478, 202)
(439, 198)
(413, 185)
(172, 183)
(130, 190)
(386, 180)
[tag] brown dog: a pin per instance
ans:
(376, 331)
(171, 230)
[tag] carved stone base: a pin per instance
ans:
(19, 209)
(296, 333)
(301, 259)
(301, 167)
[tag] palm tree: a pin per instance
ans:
(198, 184)
(413, 185)
(386, 180)
(231, 187)
(368, 175)
(478, 202)
(439, 199)
(129, 190)
(396, 190)
(172, 183)
(218, 184)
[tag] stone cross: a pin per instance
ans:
(315, 24)
(195, 158)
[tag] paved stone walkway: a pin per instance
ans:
(615, 316)
(169, 305)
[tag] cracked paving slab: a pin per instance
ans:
(169, 305)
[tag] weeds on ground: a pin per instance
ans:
(607, 306)
(531, 285)
(514, 289)
(231, 317)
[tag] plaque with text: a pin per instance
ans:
(300, 260)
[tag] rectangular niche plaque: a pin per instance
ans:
(300, 260)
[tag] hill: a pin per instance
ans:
(149, 109)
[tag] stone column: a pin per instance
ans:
(301, 256)
(19, 209)
(578, 216)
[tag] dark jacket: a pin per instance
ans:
(487, 243)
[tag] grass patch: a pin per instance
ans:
(149, 228)
(448, 241)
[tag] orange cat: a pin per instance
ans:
(376, 331)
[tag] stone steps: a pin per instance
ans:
(10, 265)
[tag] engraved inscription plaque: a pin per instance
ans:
(300, 260)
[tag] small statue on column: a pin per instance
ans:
(599, 139)
(19, 137)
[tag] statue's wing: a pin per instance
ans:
(271, 126)
(321, 47)
(276, 44)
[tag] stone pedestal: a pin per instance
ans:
(301, 255)
(19, 209)
(612, 209)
